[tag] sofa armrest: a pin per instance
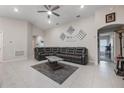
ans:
(85, 57)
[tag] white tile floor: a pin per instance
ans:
(20, 74)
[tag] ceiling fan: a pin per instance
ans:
(50, 10)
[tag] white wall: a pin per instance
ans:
(37, 32)
(100, 16)
(100, 20)
(52, 37)
(117, 45)
(33, 31)
(14, 38)
(29, 43)
(90, 26)
(17, 36)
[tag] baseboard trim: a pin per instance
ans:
(16, 59)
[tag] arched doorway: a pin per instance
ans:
(108, 43)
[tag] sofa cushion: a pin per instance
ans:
(72, 54)
(60, 54)
(63, 50)
(70, 50)
(44, 54)
(47, 50)
(40, 49)
(55, 50)
(76, 57)
(78, 51)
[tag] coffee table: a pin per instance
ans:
(53, 62)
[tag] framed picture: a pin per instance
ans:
(110, 17)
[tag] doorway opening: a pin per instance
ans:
(106, 46)
(37, 41)
(108, 43)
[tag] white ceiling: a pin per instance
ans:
(29, 13)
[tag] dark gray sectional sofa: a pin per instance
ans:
(77, 55)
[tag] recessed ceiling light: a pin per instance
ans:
(82, 6)
(16, 9)
(49, 21)
(49, 12)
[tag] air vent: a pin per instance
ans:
(19, 53)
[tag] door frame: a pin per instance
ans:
(98, 45)
(1, 57)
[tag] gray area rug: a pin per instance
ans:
(59, 75)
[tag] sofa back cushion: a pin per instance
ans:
(63, 50)
(78, 51)
(48, 50)
(39, 50)
(55, 50)
(71, 50)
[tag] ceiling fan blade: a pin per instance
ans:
(55, 14)
(46, 7)
(54, 8)
(49, 6)
(41, 11)
(48, 16)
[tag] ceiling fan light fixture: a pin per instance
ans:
(49, 13)
(82, 6)
(15, 9)
(78, 16)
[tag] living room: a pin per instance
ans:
(55, 46)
